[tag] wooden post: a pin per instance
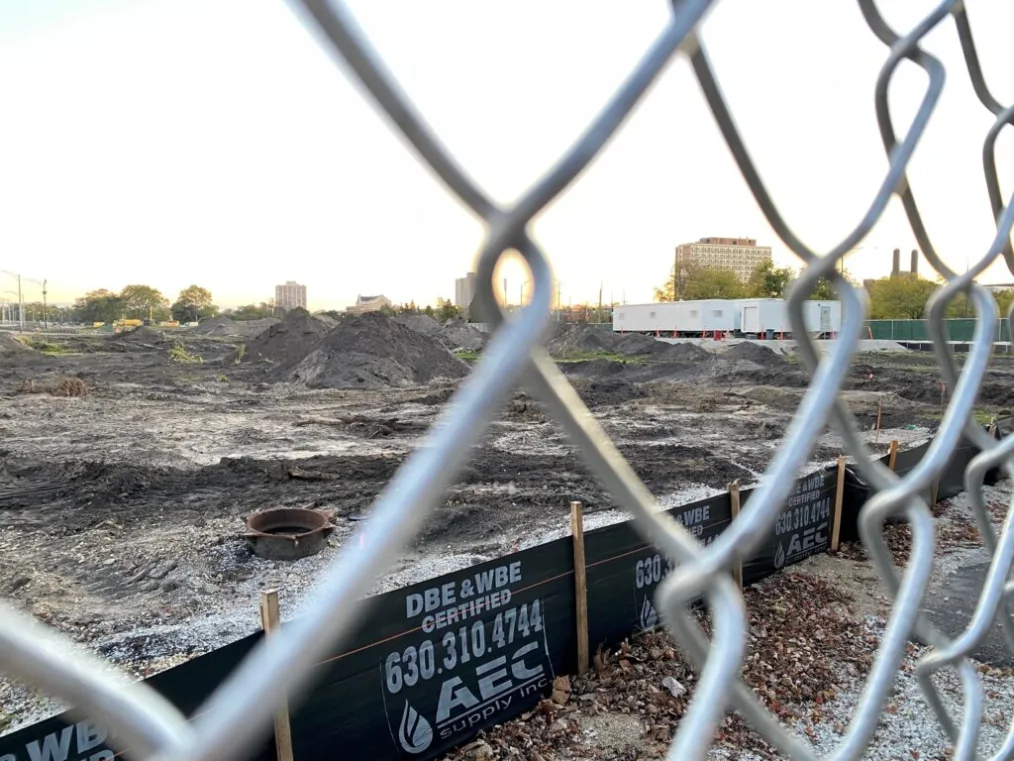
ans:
(879, 411)
(892, 457)
(270, 621)
(580, 586)
(737, 571)
(839, 495)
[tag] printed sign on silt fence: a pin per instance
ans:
(802, 528)
(479, 646)
(624, 570)
(437, 661)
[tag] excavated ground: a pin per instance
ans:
(121, 511)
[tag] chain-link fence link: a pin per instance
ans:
(241, 710)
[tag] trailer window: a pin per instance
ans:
(651, 315)
(718, 313)
(693, 312)
(621, 315)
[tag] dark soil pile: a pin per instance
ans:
(420, 323)
(252, 328)
(217, 326)
(608, 391)
(687, 352)
(580, 339)
(454, 334)
(143, 335)
(637, 344)
(285, 343)
(752, 352)
(374, 351)
(458, 334)
(10, 346)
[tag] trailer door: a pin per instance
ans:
(825, 319)
(751, 321)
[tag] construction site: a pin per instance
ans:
(130, 462)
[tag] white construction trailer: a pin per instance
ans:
(742, 317)
(706, 316)
(646, 318)
(758, 316)
(689, 318)
(823, 318)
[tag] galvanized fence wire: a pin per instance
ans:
(240, 710)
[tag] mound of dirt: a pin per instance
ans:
(143, 335)
(751, 352)
(607, 392)
(216, 326)
(637, 344)
(253, 328)
(420, 323)
(687, 352)
(374, 351)
(580, 339)
(458, 334)
(10, 346)
(285, 343)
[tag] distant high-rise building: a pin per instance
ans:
(464, 290)
(290, 295)
(741, 255)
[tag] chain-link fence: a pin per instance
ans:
(242, 708)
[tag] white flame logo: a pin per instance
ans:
(415, 733)
(649, 616)
(779, 556)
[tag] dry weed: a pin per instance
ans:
(69, 387)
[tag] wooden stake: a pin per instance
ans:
(270, 622)
(839, 495)
(892, 457)
(737, 571)
(879, 410)
(580, 585)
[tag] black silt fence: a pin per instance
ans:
(435, 663)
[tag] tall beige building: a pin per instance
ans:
(464, 290)
(741, 255)
(290, 295)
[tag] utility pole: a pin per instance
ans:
(21, 307)
(45, 306)
(675, 274)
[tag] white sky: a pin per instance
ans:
(216, 141)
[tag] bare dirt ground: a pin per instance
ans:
(121, 511)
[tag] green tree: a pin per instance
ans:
(98, 306)
(142, 302)
(193, 304)
(824, 290)
(711, 283)
(768, 281)
(251, 312)
(703, 283)
(446, 311)
(900, 297)
(668, 291)
(960, 305)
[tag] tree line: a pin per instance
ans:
(898, 297)
(141, 302)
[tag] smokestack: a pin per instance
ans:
(896, 262)
(915, 262)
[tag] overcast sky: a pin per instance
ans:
(217, 142)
